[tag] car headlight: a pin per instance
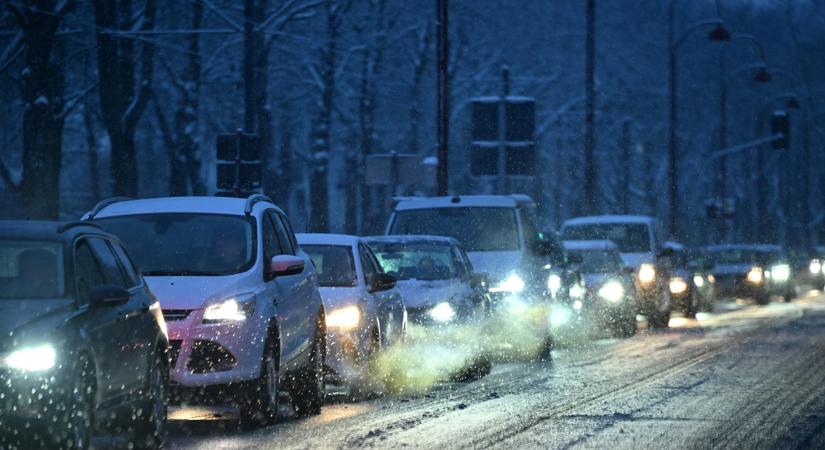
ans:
(647, 273)
(612, 291)
(554, 284)
(346, 318)
(678, 285)
(560, 315)
(577, 291)
(815, 266)
(512, 284)
(442, 312)
(755, 275)
(711, 278)
(32, 359)
(236, 309)
(781, 272)
(698, 281)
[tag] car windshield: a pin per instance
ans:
(186, 244)
(31, 270)
(416, 261)
(478, 229)
(599, 261)
(333, 264)
(629, 237)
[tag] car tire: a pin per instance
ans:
(763, 298)
(259, 406)
(368, 385)
(692, 304)
(625, 328)
(79, 410)
(150, 429)
(308, 390)
(546, 350)
(659, 319)
(789, 296)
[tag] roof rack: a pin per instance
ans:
(252, 199)
(101, 205)
(63, 227)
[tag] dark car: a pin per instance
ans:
(756, 271)
(691, 286)
(82, 340)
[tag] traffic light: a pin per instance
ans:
(238, 165)
(780, 124)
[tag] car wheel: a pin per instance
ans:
(308, 390)
(692, 304)
(260, 405)
(659, 319)
(625, 328)
(789, 296)
(80, 407)
(546, 350)
(151, 418)
(763, 298)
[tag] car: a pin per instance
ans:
(365, 311)
(756, 271)
(240, 297)
(435, 277)
(498, 232)
(809, 267)
(83, 343)
(691, 287)
(641, 245)
(610, 301)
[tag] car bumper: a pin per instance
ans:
(211, 354)
(346, 356)
(35, 397)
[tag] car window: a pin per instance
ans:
(422, 260)
(129, 270)
(87, 271)
(333, 264)
(290, 233)
(108, 264)
(272, 246)
(366, 264)
(31, 270)
(478, 229)
(285, 243)
(629, 237)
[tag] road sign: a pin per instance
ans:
(238, 164)
(503, 132)
(398, 169)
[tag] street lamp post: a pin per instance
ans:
(719, 33)
(761, 76)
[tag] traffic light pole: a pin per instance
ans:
(502, 132)
(443, 95)
(590, 106)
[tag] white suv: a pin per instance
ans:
(239, 296)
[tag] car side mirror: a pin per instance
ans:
(285, 265)
(666, 252)
(107, 295)
(382, 282)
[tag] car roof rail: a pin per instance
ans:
(64, 227)
(101, 205)
(252, 199)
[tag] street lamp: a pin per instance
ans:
(761, 76)
(718, 34)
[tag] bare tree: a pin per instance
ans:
(125, 81)
(42, 88)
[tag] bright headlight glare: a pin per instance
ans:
(612, 291)
(442, 312)
(678, 285)
(698, 281)
(512, 284)
(577, 291)
(578, 305)
(232, 310)
(815, 266)
(32, 359)
(755, 275)
(647, 273)
(347, 317)
(711, 278)
(560, 315)
(553, 283)
(781, 272)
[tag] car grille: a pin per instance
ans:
(208, 356)
(171, 315)
(174, 352)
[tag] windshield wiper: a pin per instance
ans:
(178, 272)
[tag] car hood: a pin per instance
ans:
(16, 317)
(335, 297)
(497, 265)
(732, 269)
(636, 259)
(419, 293)
(178, 292)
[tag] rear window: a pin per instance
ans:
(477, 229)
(629, 237)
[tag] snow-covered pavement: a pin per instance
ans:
(744, 377)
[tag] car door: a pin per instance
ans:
(295, 295)
(132, 364)
(102, 325)
(388, 304)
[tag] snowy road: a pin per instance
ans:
(744, 378)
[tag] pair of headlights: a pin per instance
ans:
(779, 273)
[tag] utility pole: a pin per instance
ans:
(443, 95)
(673, 151)
(589, 117)
(626, 166)
(724, 225)
(503, 187)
